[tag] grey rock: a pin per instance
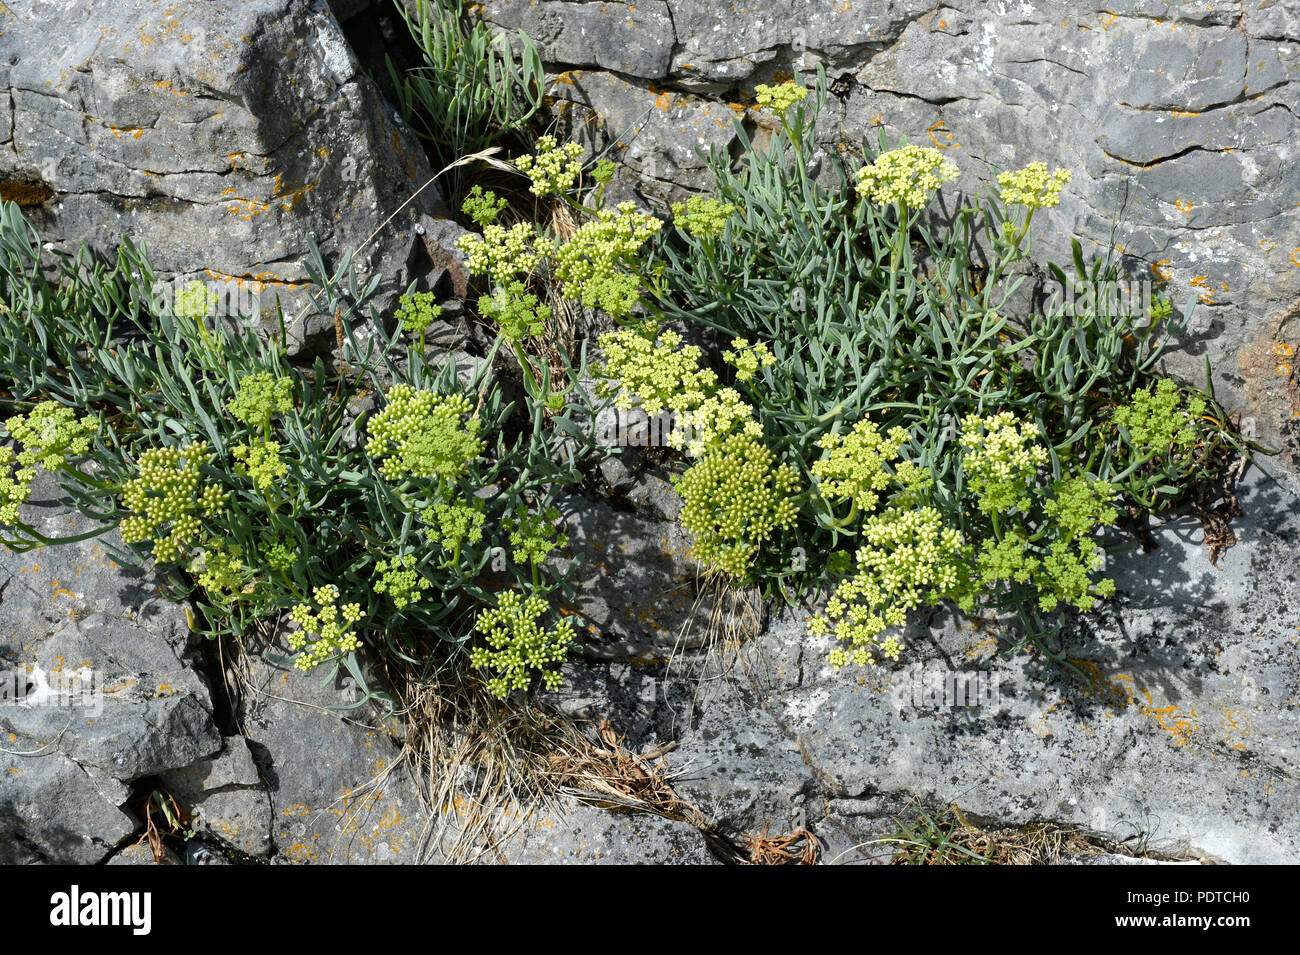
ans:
(1111, 858)
(338, 793)
(631, 38)
(226, 796)
(51, 811)
(1174, 120)
(220, 135)
(573, 833)
(70, 611)
(636, 585)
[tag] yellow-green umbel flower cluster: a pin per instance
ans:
(780, 97)
(587, 266)
(167, 500)
(704, 218)
(908, 557)
(519, 646)
(534, 535)
(220, 571)
(604, 171)
(261, 461)
(280, 557)
(419, 434)
(908, 176)
(331, 625)
(1001, 456)
(517, 312)
(1033, 187)
(49, 434)
(854, 470)
(704, 427)
(553, 168)
(504, 254)
(483, 206)
(259, 397)
(400, 580)
(1154, 421)
(1067, 570)
(195, 301)
(15, 486)
(655, 373)
(735, 498)
(417, 311)
(455, 524)
(747, 359)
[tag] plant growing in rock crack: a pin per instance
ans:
(245, 478)
(869, 312)
(470, 91)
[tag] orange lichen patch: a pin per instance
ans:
(941, 137)
(1184, 113)
(255, 283)
(25, 193)
(1203, 282)
(246, 208)
(1283, 350)
(135, 132)
(1158, 270)
(1182, 205)
(982, 650)
(1295, 256)
(1267, 245)
(1120, 692)
(167, 87)
(1174, 720)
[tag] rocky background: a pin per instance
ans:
(224, 132)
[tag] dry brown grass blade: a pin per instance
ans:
(796, 848)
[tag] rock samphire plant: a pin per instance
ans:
(878, 425)
(264, 489)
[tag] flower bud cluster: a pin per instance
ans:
(735, 497)
(516, 311)
(518, 645)
(167, 500)
(417, 311)
(534, 535)
(505, 255)
(553, 168)
(1154, 421)
(587, 266)
(259, 397)
(908, 556)
(261, 461)
(1001, 457)
(400, 580)
(331, 625)
(855, 469)
(419, 434)
(656, 374)
(704, 218)
(780, 97)
(748, 359)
